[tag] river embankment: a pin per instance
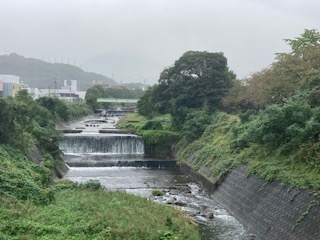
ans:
(267, 210)
(274, 195)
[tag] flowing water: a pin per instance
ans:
(118, 162)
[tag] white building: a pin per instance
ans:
(72, 85)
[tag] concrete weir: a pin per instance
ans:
(266, 210)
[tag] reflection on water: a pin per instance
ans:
(180, 191)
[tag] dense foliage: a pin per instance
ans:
(25, 123)
(196, 80)
(96, 92)
(290, 73)
(155, 132)
(23, 180)
(222, 147)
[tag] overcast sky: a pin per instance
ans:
(133, 40)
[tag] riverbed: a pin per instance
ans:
(136, 174)
(179, 191)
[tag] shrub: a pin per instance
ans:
(92, 185)
(157, 192)
(152, 125)
(159, 137)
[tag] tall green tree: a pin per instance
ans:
(196, 79)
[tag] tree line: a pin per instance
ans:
(25, 122)
(96, 92)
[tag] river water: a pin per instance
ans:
(134, 173)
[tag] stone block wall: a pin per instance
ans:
(271, 211)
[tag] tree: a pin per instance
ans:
(237, 97)
(196, 79)
(291, 72)
(58, 108)
(146, 104)
(309, 39)
(92, 95)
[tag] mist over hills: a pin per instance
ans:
(41, 74)
(126, 68)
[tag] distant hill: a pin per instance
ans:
(37, 73)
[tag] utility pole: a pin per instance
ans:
(55, 87)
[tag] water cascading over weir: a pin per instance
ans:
(108, 150)
(102, 144)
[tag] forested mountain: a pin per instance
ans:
(41, 74)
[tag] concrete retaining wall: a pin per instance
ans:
(267, 210)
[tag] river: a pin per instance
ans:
(119, 163)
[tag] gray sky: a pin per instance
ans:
(133, 40)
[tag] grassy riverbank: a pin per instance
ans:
(229, 141)
(83, 212)
(218, 149)
(33, 206)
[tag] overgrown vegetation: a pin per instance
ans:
(156, 132)
(33, 207)
(269, 121)
(23, 180)
(86, 211)
(25, 123)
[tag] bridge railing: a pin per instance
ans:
(117, 100)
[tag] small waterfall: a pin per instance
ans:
(141, 163)
(102, 144)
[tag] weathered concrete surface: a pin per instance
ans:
(267, 210)
(35, 155)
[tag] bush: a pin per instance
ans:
(157, 192)
(194, 124)
(159, 137)
(152, 125)
(278, 125)
(92, 185)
